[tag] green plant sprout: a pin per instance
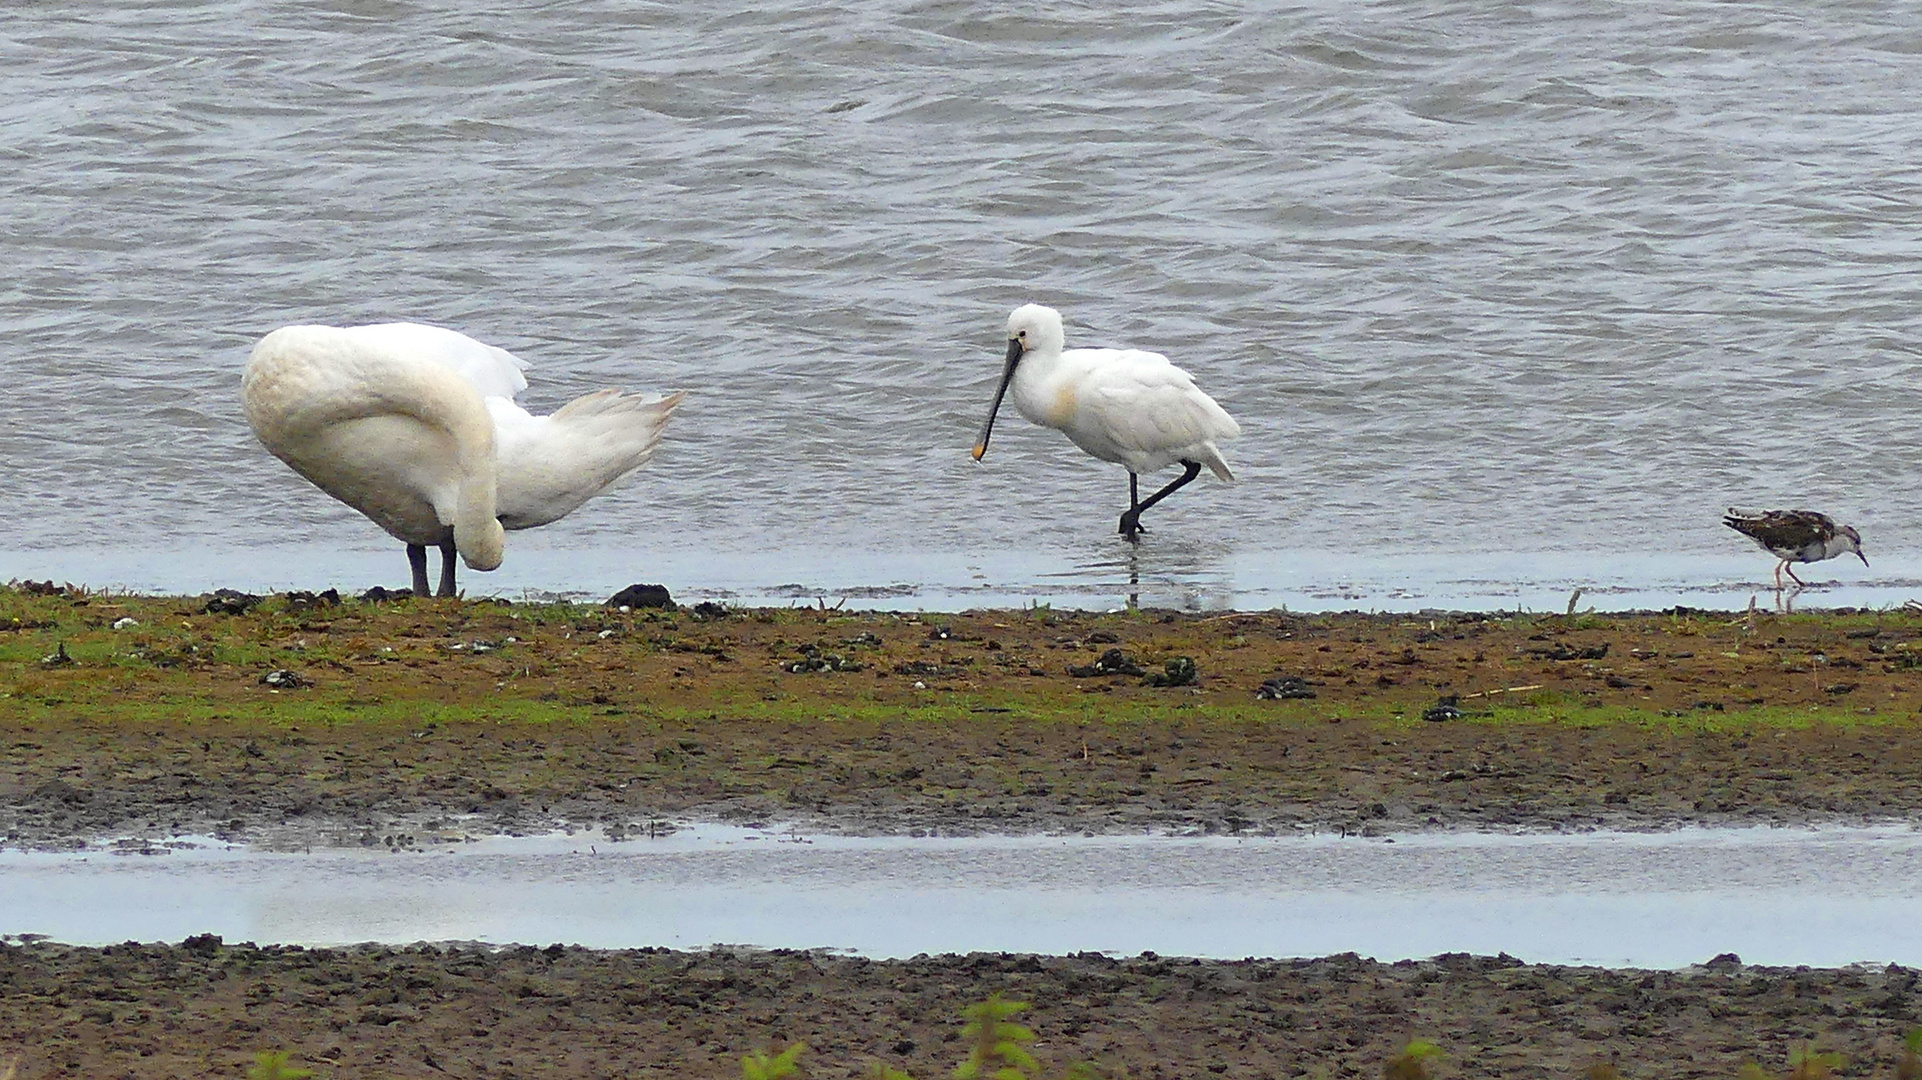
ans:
(759, 1066)
(272, 1065)
(999, 1050)
(1811, 1064)
(1412, 1062)
(1909, 1065)
(1805, 1063)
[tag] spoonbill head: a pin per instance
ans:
(1127, 406)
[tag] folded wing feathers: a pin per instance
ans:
(1782, 528)
(1161, 407)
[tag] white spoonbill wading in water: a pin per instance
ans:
(1127, 406)
(416, 427)
(1795, 536)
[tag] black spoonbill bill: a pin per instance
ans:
(1795, 536)
(416, 427)
(1127, 406)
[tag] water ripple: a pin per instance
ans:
(1550, 281)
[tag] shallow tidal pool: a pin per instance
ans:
(1824, 897)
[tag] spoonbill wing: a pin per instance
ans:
(1148, 407)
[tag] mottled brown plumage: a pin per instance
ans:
(1795, 536)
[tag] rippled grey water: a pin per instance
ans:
(1561, 280)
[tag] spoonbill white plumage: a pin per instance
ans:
(416, 427)
(1127, 406)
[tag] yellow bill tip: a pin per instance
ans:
(979, 449)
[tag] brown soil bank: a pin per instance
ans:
(360, 721)
(203, 1009)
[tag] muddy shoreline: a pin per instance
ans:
(203, 1008)
(294, 722)
(300, 720)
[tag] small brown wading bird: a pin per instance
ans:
(1795, 536)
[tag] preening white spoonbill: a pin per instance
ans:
(416, 427)
(1127, 406)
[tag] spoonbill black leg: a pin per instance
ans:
(417, 558)
(447, 556)
(1131, 521)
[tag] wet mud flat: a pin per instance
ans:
(307, 720)
(203, 1008)
(300, 720)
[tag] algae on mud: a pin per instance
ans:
(161, 719)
